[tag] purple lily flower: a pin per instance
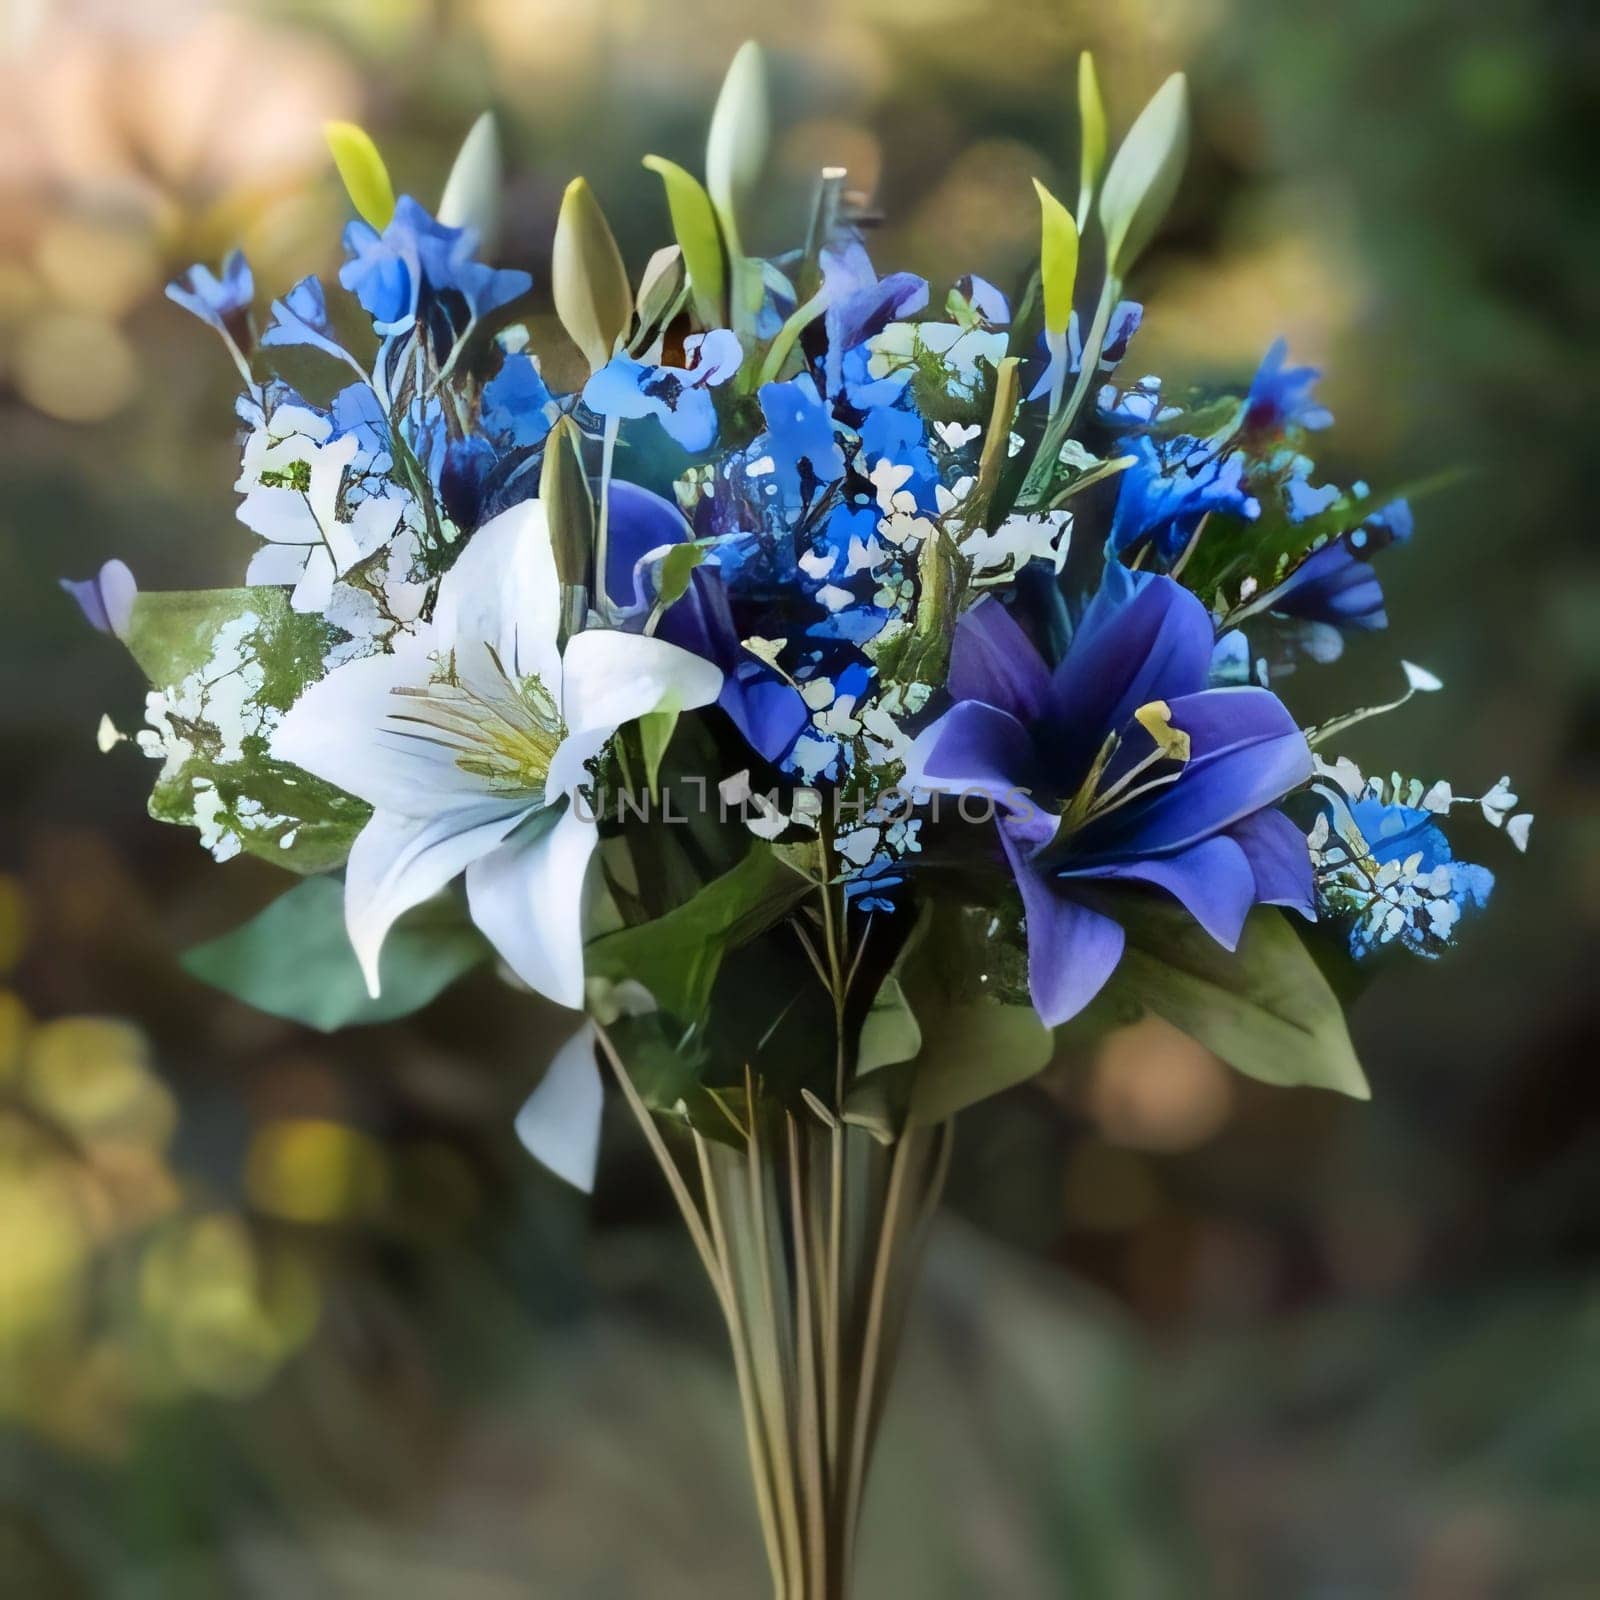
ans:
(768, 711)
(1120, 768)
(1336, 584)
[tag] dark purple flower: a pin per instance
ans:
(1120, 768)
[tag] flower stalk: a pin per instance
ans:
(811, 1232)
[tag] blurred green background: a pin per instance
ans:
(290, 1315)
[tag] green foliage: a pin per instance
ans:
(694, 224)
(294, 959)
(1058, 259)
(226, 663)
(1092, 130)
(1266, 1008)
(677, 956)
(366, 178)
(1144, 175)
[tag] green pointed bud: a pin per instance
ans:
(694, 224)
(662, 289)
(942, 573)
(569, 511)
(1092, 129)
(587, 277)
(366, 179)
(471, 196)
(737, 143)
(1144, 175)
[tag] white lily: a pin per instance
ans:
(471, 739)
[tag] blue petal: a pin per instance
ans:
(993, 660)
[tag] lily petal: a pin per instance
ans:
(1212, 880)
(610, 678)
(1072, 950)
(559, 1123)
(397, 862)
(503, 592)
(1280, 859)
(993, 660)
(527, 898)
(973, 748)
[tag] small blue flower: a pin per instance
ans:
(415, 263)
(678, 397)
(1173, 483)
(106, 599)
(1280, 397)
(1387, 874)
(220, 303)
(516, 407)
(301, 318)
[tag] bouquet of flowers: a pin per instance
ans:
(838, 695)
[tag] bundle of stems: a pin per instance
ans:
(811, 1232)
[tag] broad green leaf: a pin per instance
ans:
(587, 277)
(366, 179)
(737, 143)
(974, 1049)
(694, 222)
(225, 665)
(471, 196)
(294, 959)
(889, 1034)
(1266, 1008)
(1058, 259)
(967, 986)
(1144, 175)
(676, 957)
(1092, 131)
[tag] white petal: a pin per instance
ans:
(1420, 677)
(315, 588)
(609, 678)
(343, 730)
(559, 1122)
(277, 564)
(503, 592)
(398, 862)
(1517, 829)
(528, 899)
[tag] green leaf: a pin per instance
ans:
(656, 729)
(1058, 259)
(366, 179)
(966, 983)
(568, 503)
(677, 956)
(587, 277)
(294, 959)
(1266, 1008)
(694, 223)
(1144, 175)
(889, 1033)
(471, 196)
(737, 143)
(1092, 126)
(226, 664)
(972, 1050)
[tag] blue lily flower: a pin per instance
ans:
(678, 397)
(1119, 768)
(399, 274)
(1173, 483)
(1336, 584)
(860, 303)
(220, 303)
(1120, 329)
